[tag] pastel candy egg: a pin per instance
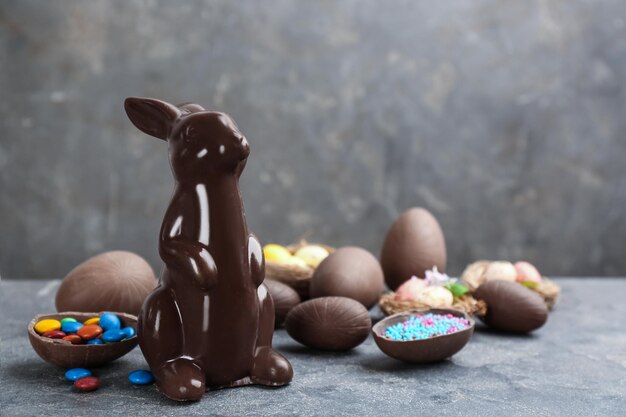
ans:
(113, 335)
(276, 253)
(501, 271)
(77, 373)
(47, 325)
(95, 342)
(313, 255)
(436, 297)
(141, 377)
(70, 327)
(90, 331)
(86, 384)
(93, 320)
(410, 290)
(128, 332)
(67, 319)
(527, 272)
(109, 321)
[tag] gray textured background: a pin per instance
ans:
(506, 119)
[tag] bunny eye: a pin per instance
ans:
(190, 134)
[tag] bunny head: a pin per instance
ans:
(202, 143)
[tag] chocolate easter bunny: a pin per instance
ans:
(210, 322)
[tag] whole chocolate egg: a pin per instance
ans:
(285, 298)
(329, 323)
(112, 281)
(414, 244)
(349, 272)
(511, 307)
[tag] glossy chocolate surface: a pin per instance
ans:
(210, 322)
(434, 349)
(511, 307)
(329, 323)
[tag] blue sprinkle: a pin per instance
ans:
(77, 373)
(426, 326)
(141, 377)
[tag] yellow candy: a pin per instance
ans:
(93, 320)
(292, 260)
(312, 255)
(47, 325)
(276, 253)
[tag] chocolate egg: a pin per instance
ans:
(329, 323)
(414, 244)
(511, 307)
(349, 272)
(111, 281)
(285, 298)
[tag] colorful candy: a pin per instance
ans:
(47, 325)
(90, 331)
(54, 334)
(141, 377)
(426, 326)
(86, 384)
(128, 332)
(113, 335)
(77, 373)
(109, 321)
(73, 339)
(70, 327)
(93, 320)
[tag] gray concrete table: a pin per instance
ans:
(574, 366)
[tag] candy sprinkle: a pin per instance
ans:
(425, 326)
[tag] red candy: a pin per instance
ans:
(86, 384)
(73, 339)
(90, 331)
(54, 334)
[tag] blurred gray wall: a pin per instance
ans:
(506, 119)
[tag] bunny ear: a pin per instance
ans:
(151, 116)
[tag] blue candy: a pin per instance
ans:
(94, 342)
(128, 332)
(77, 373)
(109, 321)
(141, 377)
(70, 327)
(113, 335)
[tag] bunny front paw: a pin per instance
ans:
(181, 379)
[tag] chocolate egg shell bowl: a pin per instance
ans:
(428, 350)
(67, 355)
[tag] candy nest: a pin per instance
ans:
(389, 305)
(296, 276)
(425, 326)
(424, 350)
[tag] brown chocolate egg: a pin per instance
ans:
(511, 307)
(349, 272)
(111, 281)
(329, 323)
(285, 298)
(414, 244)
